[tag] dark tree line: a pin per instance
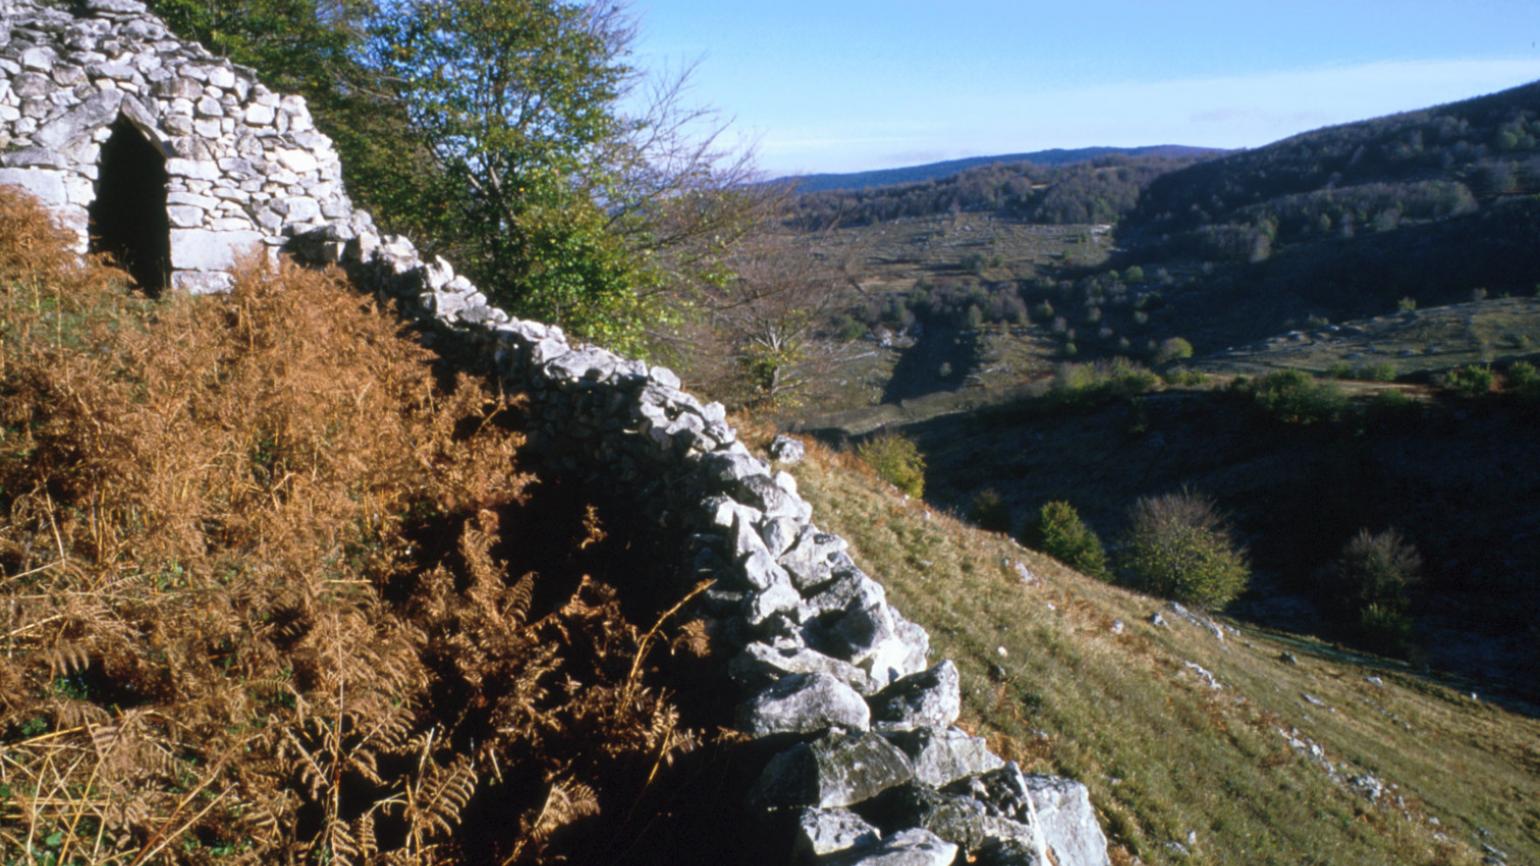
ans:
(1096, 191)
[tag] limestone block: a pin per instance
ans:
(200, 282)
(941, 757)
(192, 168)
(83, 120)
(827, 831)
(780, 598)
(1069, 823)
(761, 663)
(955, 817)
(804, 703)
(299, 209)
(787, 449)
(929, 699)
(1062, 807)
(185, 216)
(297, 161)
(837, 769)
(46, 184)
(205, 250)
(908, 848)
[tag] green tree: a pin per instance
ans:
(1371, 582)
(562, 204)
(512, 98)
(1059, 532)
(1295, 397)
(1376, 569)
(1179, 547)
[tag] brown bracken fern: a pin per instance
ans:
(255, 597)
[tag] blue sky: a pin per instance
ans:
(844, 85)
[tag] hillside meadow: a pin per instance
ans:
(1223, 744)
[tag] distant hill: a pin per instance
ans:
(857, 180)
(1373, 174)
(1097, 189)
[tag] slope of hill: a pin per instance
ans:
(1100, 190)
(857, 180)
(1202, 743)
(1415, 163)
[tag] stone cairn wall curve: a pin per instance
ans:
(874, 769)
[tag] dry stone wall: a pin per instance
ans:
(870, 767)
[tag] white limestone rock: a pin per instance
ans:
(804, 703)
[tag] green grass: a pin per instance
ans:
(1398, 344)
(1051, 685)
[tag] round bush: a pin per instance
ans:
(1295, 397)
(896, 460)
(1179, 547)
(1060, 533)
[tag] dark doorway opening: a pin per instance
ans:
(128, 218)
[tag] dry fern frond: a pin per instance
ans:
(65, 659)
(263, 522)
(440, 796)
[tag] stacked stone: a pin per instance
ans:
(247, 168)
(871, 768)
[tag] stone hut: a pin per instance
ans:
(153, 149)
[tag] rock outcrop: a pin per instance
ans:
(870, 766)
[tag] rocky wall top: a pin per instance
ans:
(870, 765)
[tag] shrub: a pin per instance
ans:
(1059, 532)
(1523, 380)
(1406, 304)
(896, 460)
(1473, 380)
(1295, 397)
(1370, 585)
(1183, 377)
(1381, 372)
(1375, 570)
(1178, 546)
(1172, 350)
(1100, 380)
(989, 511)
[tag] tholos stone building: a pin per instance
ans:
(153, 149)
(178, 163)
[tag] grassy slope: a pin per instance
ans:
(1164, 755)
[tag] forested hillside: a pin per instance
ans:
(1098, 190)
(1357, 179)
(1058, 156)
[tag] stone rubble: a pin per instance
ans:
(826, 667)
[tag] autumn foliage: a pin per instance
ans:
(256, 599)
